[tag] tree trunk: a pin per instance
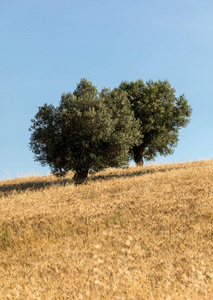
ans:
(138, 154)
(80, 177)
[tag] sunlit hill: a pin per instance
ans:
(137, 233)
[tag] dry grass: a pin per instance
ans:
(140, 233)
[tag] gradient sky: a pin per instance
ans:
(47, 46)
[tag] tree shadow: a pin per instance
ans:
(7, 189)
(136, 173)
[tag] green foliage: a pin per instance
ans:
(87, 131)
(161, 115)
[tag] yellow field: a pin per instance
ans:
(139, 233)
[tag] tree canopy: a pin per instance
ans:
(161, 115)
(87, 131)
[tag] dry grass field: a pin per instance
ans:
(138, 233)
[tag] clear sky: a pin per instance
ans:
(47, 46)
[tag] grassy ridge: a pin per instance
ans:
(140, 233)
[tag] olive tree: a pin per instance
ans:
(87, 131)
(161, 115)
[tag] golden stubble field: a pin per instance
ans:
(139, 233)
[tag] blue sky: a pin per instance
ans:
(48, 46)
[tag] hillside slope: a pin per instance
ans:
(139, 233)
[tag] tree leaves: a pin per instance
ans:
(160, 113)
(95, 130)
(88, 130)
